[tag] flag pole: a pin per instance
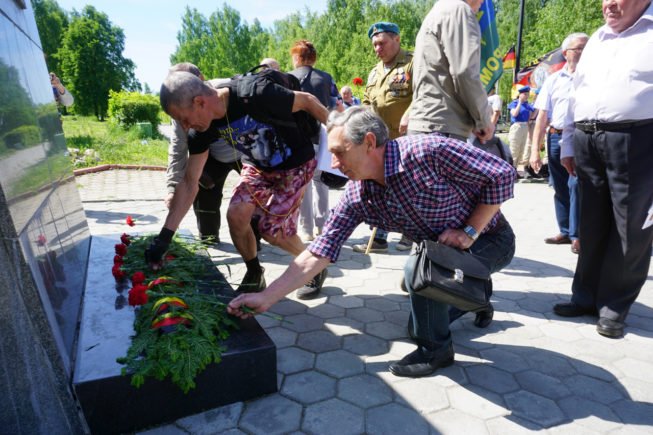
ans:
(519, 35)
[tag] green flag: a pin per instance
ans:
(491, 57)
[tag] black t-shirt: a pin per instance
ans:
(268, 147)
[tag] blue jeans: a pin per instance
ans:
(565, 187)
(431, 318)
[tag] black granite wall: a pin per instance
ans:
(44, 240)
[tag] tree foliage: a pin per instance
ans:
(92, 63)
(52, 22)
(222, 45)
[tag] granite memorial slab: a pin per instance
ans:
(111, 404)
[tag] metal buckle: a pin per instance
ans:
(458, 276)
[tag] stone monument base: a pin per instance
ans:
(111, 404)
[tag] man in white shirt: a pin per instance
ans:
(608, 143)
(553, 102)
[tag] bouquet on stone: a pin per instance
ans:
(181, 321)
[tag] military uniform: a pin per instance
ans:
(390, 93)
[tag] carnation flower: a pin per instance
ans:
(117, 259)
(137, 295)
(117, 272)
(125, 238)
(357, 81)
(121, 249)
(131, 222)
(41, 240)
(138, 277)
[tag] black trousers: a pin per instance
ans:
(207, 202)
(615, 179)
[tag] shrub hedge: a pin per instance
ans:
(129, 108)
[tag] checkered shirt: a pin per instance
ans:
(431, 183)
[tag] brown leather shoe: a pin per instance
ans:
(575, 246)
(560, 239)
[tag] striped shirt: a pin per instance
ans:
(431, 183)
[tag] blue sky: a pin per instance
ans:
(151, 26)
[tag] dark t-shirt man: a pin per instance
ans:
(267, 147)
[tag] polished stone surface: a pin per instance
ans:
(247, 370)
(44, 240)
(36, 178)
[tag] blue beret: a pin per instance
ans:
(524, 89)
(382, 26)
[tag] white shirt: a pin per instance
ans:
(495, 102)
(614, 78)
(554, 97)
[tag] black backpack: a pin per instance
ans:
(251, 84)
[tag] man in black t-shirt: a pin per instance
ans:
(278, 161)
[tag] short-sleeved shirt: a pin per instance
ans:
(267, 147)
(524, 111)
(554, 97)
(432, 183)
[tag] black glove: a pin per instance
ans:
(154, 253)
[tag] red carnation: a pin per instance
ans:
(117, 259)
(41, 240)
(121, 249)
(138, 295)
(125, 238)
(357, 81)
(131, 222)
(117, 272)
(169, 257)
(138, 278)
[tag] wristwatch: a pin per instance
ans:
(471, 232)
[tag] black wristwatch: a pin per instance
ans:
(471, 232)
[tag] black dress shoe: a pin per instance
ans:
(571, 309)
(422, 362)
(484, 318)
(559, 239)
(610, 328)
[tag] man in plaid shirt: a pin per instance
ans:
(425, 186)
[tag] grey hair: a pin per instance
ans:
(185, 66)
(571, 38)
(358, 121)
(345, 88)
(180, 88)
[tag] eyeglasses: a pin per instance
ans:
(576, 49)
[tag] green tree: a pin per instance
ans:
(52, 22)
(221, 45)
(92, 63)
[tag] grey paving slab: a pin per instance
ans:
(530, 371)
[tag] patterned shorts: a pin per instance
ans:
(276, 195)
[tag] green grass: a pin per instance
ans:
(114, 144)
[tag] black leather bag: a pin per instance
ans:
(451, 276)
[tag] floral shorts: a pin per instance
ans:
(276, 195)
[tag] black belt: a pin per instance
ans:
(554, 130)
(594, 126)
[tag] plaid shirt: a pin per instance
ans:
(431, 183)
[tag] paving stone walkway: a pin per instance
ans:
(529, 371)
